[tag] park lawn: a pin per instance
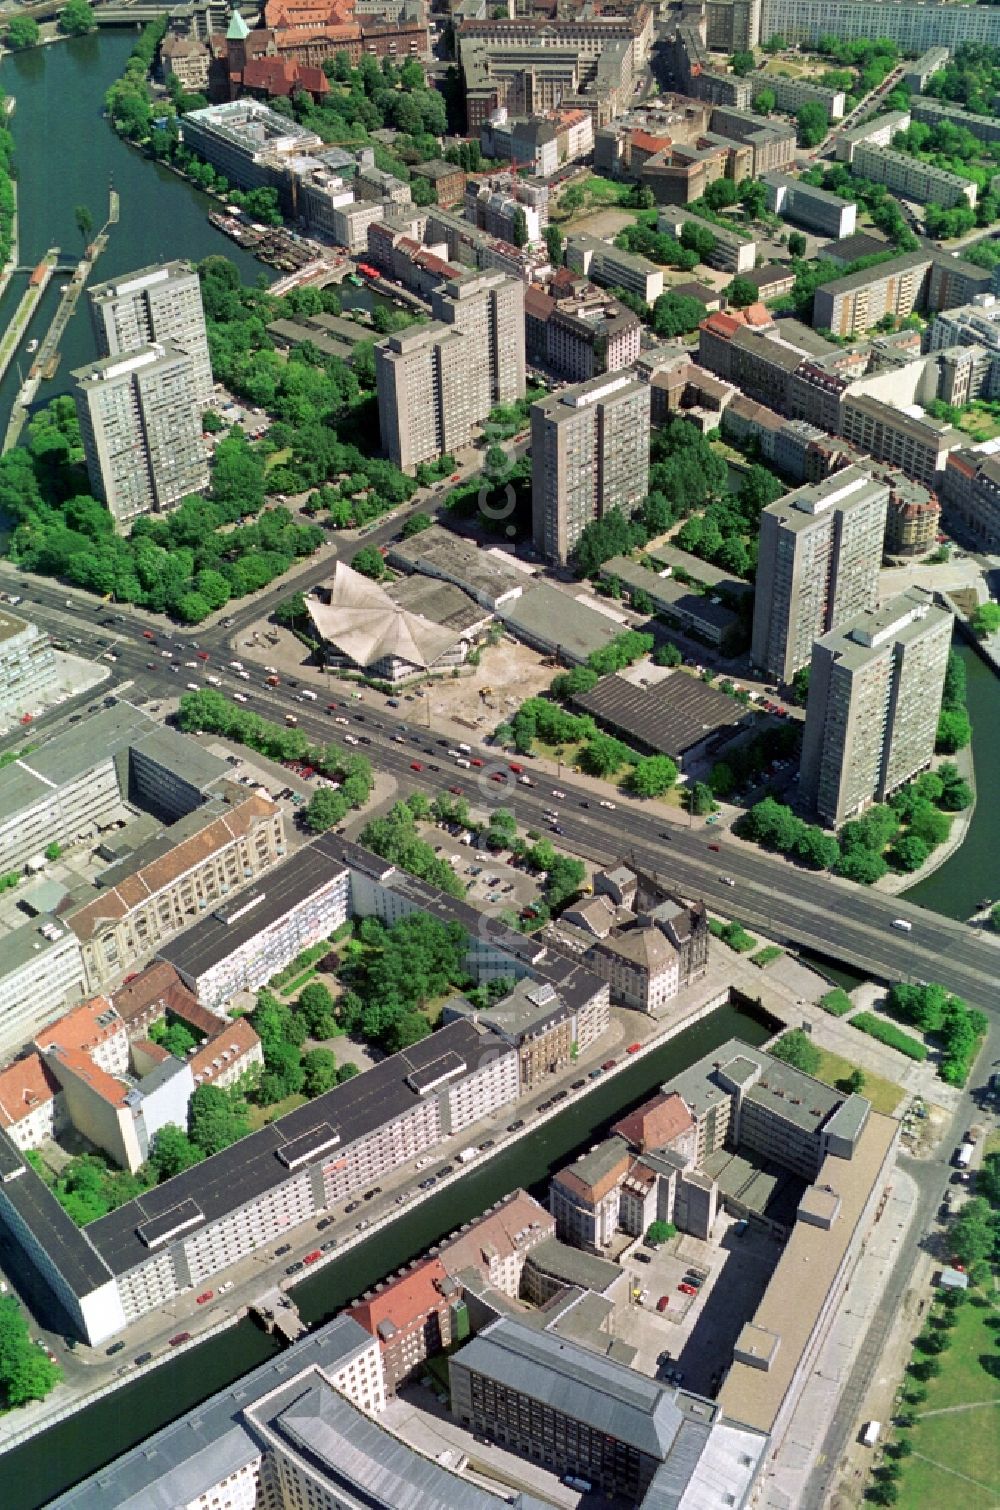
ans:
(965, 1441)
(259, 1116)
(603, 193)
(277, 458)
(884, 1095)
(779, 66)
(992, 1144)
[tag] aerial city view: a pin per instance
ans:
(499, 701)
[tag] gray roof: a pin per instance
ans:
(214, 938)
(573, 1266)
(609, 1397)
(671, 716)
(178, 1464)
(483, 573)
(71, 754)
(37, 1208)
(893, 267)
(363, 1463)
(545, 615)
(186, 758)
(780, 1087)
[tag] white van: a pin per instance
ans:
(465, 749)
(308, 696)
(239, 697)
(213, 681)
(903, 925)
(870, 1435)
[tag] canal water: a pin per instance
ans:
(67, 155)
(33, 1474)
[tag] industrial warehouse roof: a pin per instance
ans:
(611, 1399)
(367, 626)
(324, 1127)
(487, 575)
(671, 716)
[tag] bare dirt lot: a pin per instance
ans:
(485, 695)
(600, 222)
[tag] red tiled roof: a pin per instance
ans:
(404, 1300)
(656, 1123)
(79, 1028)
(647, 143)
(280, 77)
(234, 1040)
(24, 1086)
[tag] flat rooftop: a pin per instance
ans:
(246, 914)
(70, 754)
(671, 716)
(258, 1163)
(545, 615)
(808, 1268)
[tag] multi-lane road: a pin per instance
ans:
(835, 918)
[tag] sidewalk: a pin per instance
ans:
(821, 1394)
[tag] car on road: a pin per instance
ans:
(577, 1086)
(364, 1222)
(557, 793)
(351, 1207)
(642, 1258)
(717, 848)
(323, 1223)
(371, 1194)
(205, 1298)
(608, 1064)
(143, 1358)
(516, 1126)
(329, 1245)
(313, 1257)
(662, 1303)
(116, 1347)
(430, 1180)
(727, 880)
(224, 1289)
(686, 1289)
(295, 1268)
(633, 1048)
(176, 1341)
(695, 1279)
(607, 804)
(285, 1248)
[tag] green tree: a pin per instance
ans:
(21, 31)
(813, 122)
(742, 63)
(315, 1007)
(216, 1118)
(319, 1070)
(909, 853)
(954, 730)
(985, 620)
(325, 809)
(742, 292)
(796, 244)
(797, 1048)
(53, 851)
(855, 1082)
(554, 245)
(76, 18)
(84, 222)
(519, 227)
(654, 775)
(416, 524)
(660, 1232)
(698, 799)
(369, 563)
(667, 655)
(172, 1152)
(178, 1040)
(764, 102)
(753, 198)
(676, 315)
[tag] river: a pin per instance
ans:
(47, 1464)
(67, 155)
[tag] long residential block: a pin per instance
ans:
(911, 178)
(815, 209)
(733, 253)
(853, 304)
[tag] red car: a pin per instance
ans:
(663, 1302)
(203, 1298)
(498, 776)
(716, 848)
(517, 769)
(608, 1064)
(148, 634)
(687, 1289)
(633, 1048)
(415, 765)
(456, 791)
(475, 761)
(181, 1337)
(311, 1258)
(202, 655)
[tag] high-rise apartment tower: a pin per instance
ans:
(818, 562)
(141, 432)
(161, 304)
(589, 455)
(875, 688)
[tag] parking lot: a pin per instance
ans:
(693, 1336)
